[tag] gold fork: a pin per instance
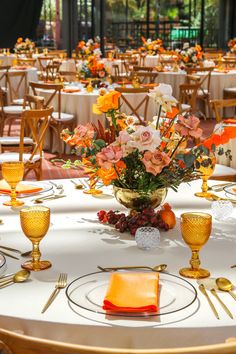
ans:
(60, 284)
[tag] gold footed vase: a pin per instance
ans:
(205, 165)
(138, 200)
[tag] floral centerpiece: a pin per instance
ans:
(24, 46)
(91, 47)
(232, 45)
(190, 55)
(92, 68)
(152, 47)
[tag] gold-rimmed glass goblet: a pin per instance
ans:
(205, 166)
(35, 222)
(13, 172)
(196, 230)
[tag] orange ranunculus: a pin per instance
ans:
(81, 44)
(173, 113)
(111, 174)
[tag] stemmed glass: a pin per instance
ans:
(196, 230)
(92, 190)
(35, 222)
(205, 165)
(13, 172)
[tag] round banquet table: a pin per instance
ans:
(76, 243)
(219, 81)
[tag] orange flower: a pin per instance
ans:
(107, 102)
(173, 113)
(20, 40)
(111, 174)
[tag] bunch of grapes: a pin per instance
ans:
(131, 222)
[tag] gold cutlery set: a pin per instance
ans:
(224, 285)
(3, 250)
(219, 188)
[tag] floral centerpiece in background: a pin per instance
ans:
(24, 46)
(190, 55)
(152, 47)
(232, 45)
(91, 47)
(92, 68)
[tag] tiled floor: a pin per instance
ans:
(55, 171)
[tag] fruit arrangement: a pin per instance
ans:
(162, 219)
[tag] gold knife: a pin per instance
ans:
(213, 291)
(203, 290)
(8, 254)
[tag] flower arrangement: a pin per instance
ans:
(92, 68)
(190, 55)
(23, 46)
(91, 47)
(152, 47)
(232, 45)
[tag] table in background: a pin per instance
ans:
(76, 243)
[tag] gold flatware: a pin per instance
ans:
(61, 283)
(8, 254)
(213, 291)
(23, 254)
(19, 277)
(203, 290)
(6, 276)
(41, 200)
(225, 284)
(77, 185)
(43, 197)
(220, 187)
(216, 197)
(158, 268)
(58, 186)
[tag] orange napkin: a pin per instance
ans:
(149, 85)
(21, 188)
(132, 292)
(124, 82)
(71, 90)
(230, 121)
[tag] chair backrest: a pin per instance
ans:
(140, 103)
(206, 77)
(188, 95)
(15, 343)
(26, 61)
(16, 83)
(44, 61)
(53, 90)
(147, 77)
(3, 75)
(116, 69)
(35, 120)
(218, 105)
(34, 102)
(52, 70)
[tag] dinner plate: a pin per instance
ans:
(88, 292)
(44, 185)
(3, 264)
(230, 191)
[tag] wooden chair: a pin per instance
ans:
(37, 122)
(3, 76)
(143, 68)
(219, 105)
(140, 103)
(12, 143)
(59, 120)
(203, 93)
(16, 343)
(147, 77)
(229, 92)
(13, 110)
(43, 62)
(188, 97)
(142, 59)
(26, 61)
(52, 71)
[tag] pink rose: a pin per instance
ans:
(188, 126)
(155, 161)
(145, 138)
(109, 155)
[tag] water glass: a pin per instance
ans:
(147, 237)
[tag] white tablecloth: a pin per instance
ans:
(76, 243)
(7, 59)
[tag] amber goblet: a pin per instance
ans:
(92, 190)
(35, 222)
(13, 172)
(205, 165)
(196, 230)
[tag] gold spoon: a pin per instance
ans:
(215, 197)
(19, 277)
(158, 268)
(77, 185)
(225, 284)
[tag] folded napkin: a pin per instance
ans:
(71, 90)
(149, 85)
(230, 121)
(21, 188)
(132, 292)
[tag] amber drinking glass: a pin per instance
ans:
(13, 173)
(92, 190)
(35, 223)
(205, 165)
(196, 230)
